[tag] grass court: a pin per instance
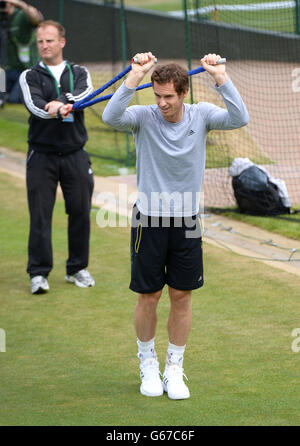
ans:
(71, 354)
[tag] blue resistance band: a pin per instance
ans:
(89, 100)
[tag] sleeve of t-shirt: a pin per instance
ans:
(83, 86)
(23, 27)
(234, 116)
(117, 114)
(32, 94)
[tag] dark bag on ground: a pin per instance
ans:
(256, 195)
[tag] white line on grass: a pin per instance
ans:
(249, 7)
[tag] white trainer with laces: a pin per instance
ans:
(150, 376)
(173, 382)
(39, 285)
(82, 278)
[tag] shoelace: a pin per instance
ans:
(151, 369)
(84, 276)
(84, 273)
(178, 372)
(38, 280)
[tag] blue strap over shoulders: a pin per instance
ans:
(89, 100)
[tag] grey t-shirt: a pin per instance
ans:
(171, 156)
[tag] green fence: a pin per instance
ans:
(261, 43)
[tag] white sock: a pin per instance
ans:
(146, 349)
(175, 354)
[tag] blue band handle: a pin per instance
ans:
(89, 101)
(119, 76)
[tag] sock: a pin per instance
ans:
(175, 354)
(146, 349)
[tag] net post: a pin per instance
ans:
(124, 58)
(188, 44)
(196, 7)
(297, 18)
(61, 11)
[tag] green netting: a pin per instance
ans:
(270, 89)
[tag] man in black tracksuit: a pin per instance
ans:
(56, 154)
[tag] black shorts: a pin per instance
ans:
(165, 251)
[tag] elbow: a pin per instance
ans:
(113, 119)
(243, 123)
(105, 118)
(246, 119)
(109, 119)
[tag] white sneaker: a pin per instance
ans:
(39, 284)
(150, 376)
(173, 382)
(82, 278)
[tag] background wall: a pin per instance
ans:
(94, 34)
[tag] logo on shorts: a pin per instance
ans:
(200, 278)
(191, 132)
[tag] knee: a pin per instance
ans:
(78, 208)
(180, 297)
(150, 301)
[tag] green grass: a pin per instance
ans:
(156, 5)
(71, 354)
(287, 225)
(282, 20)
(162, 6)
(176, 5)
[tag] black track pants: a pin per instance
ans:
(44, 172)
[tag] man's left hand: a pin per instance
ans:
(217, 71)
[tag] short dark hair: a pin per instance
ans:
(172, 72)
(61, 30)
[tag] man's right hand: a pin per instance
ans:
(138, 70)
(52, 107)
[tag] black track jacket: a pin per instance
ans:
(47, 134)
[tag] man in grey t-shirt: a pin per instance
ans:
(166, 244)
